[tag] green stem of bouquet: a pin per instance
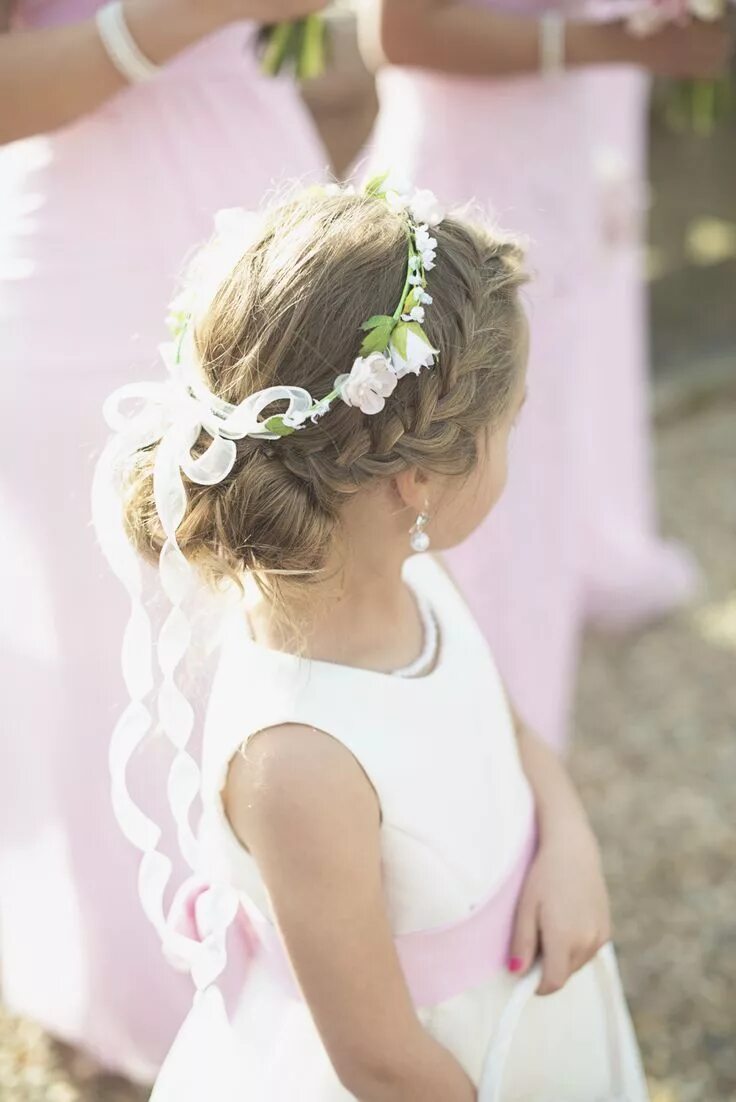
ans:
(300, 44)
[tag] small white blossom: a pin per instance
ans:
(424, 207)
(320, 409)
(396, 202)
(296, 419)
(415, 314)
(339, 189)
(424, 298)
(416, 279)
(426, 246)
(419, 354)
(371, 381)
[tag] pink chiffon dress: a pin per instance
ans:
(94, 224)
(522, 150)
(631, 574)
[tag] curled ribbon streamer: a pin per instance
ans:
(183, 788)
(154, 873)
(173, 415)
(173, 641)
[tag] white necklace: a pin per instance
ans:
(428, 658)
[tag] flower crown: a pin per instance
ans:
(394, 345)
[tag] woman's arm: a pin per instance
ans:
(51, 77)
(304, 808)
(472, 41)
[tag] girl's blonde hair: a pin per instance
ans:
(291, 313)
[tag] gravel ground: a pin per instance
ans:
(656, 760)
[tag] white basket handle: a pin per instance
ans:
(627, 1077)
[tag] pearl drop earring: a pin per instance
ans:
(418, 538)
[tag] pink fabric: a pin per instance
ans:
(509, 146)
(95, 223)
(554, 548)
(439, 963)
(630, 573)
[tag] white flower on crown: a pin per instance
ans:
(296, 419)
(424, 298)
(397, 202)
(424, 207)
(426, 246)
(340, 189)
(419, 354)
(320, 408)
(415, 314)
(371, 381)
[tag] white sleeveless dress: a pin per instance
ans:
(441, 752)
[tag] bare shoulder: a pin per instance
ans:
(294, 778)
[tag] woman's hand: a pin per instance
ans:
(698, 50)
(563, 913)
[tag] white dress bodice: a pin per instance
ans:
(457, 816)
(439, 749)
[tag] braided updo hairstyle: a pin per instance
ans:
(291, 313)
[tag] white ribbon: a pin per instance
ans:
(173, 414)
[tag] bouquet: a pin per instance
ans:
(300, 45)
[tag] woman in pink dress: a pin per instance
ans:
(95, 219)
(630, 574)
(466, 111)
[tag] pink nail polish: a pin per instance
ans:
(516, 964)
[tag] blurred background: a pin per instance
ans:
(654, 749)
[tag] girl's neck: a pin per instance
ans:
(362, 614)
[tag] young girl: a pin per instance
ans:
(395, 846)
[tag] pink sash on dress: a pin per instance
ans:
(437, 963)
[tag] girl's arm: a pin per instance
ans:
(472, 41)
(563, 913)
(50, 77)
(304, 808)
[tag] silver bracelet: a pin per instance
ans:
(552, 43)
(121, 47)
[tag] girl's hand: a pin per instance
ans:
(563, 913)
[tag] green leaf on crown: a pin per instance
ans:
(375, 186)
(379, 337)
(399, 338)
(412, 300)
(276, 425)
(375, 321)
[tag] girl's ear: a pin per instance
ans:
(412, 488)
